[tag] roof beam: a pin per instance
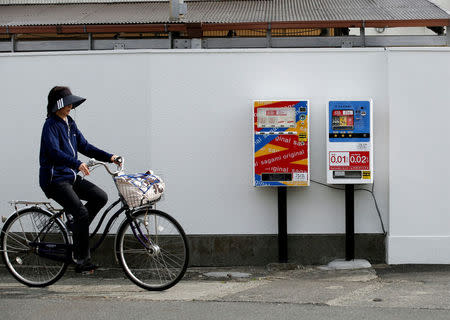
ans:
(125, 28)
(234, 26)
(406, 23)
(184, 27)
(317, 24)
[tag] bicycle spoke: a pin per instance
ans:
(16, 237)
(166, 265)
(168, 254)
(11, 247)
(138, 251)
(170, 261)
(23, 230)
(13, 238)
(163, 265)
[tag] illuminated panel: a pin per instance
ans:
(343, 120)
(276, 118)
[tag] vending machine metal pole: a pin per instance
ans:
(282, 225)
(349, 222)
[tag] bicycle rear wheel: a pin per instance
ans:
(20, 241)
(152, 249)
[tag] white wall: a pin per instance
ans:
(187, 114)
(419, 102)
(117, 91)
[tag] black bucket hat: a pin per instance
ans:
(58, 99)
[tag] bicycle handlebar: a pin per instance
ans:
(92, 163)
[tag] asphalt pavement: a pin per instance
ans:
(380, 292)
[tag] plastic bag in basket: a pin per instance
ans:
(140, 188)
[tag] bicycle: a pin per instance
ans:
(150, 245)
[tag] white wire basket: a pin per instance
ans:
(140, 188)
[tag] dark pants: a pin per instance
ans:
(69, 197)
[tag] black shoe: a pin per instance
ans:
(70, 222)
(85, 267)
(69, 226)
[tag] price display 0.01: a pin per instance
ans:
(339, 159)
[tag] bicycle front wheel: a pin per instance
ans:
(152, 249)
(20, 238)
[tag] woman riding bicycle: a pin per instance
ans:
(59, 165)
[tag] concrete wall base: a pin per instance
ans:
(259, 250)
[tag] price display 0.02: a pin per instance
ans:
(339, 160)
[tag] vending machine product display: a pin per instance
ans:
(281, 146)
(349, 142)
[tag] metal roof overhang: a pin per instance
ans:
(211, 15)
(19, 25)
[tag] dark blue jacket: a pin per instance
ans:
(60, 143)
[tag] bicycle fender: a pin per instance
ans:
(16, 212)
